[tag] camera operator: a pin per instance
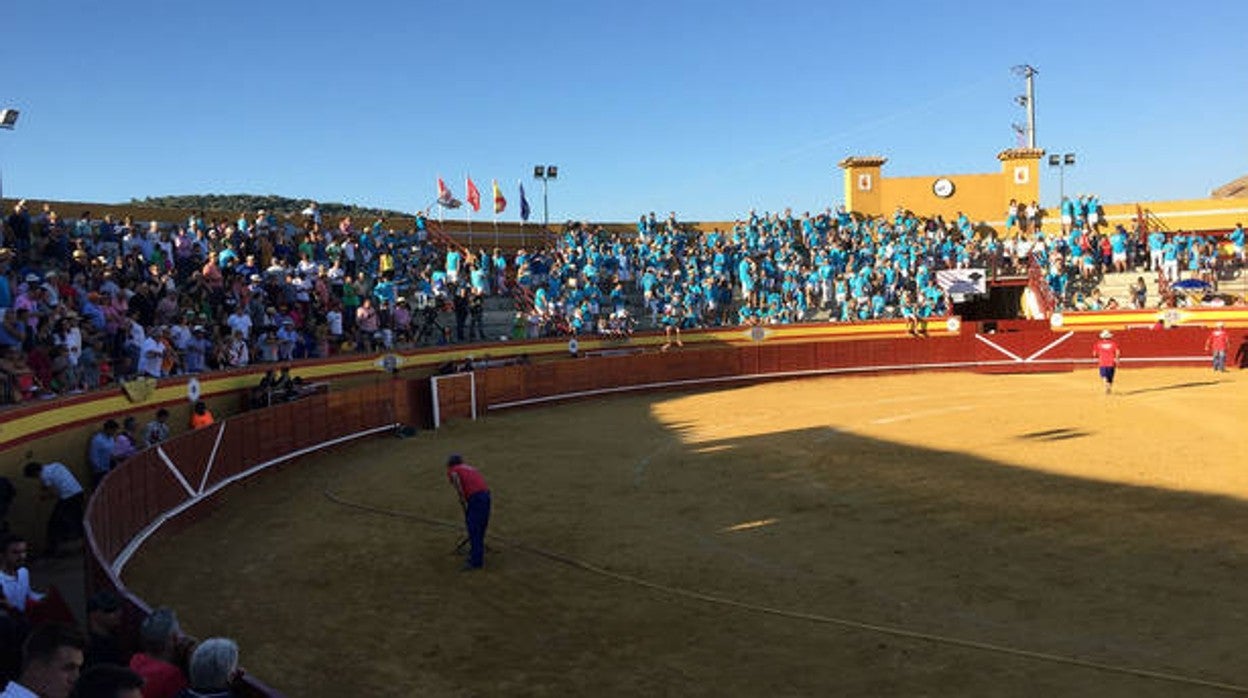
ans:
(460, 301)
(430, 328)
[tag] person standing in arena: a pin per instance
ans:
(474, 497)
(1107, 356)
(1217, 342)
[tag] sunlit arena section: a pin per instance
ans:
(927, 534)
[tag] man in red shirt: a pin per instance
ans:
(163, 647)
(1107, 354)
(1218, 341)
(474, 497)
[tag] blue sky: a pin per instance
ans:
(705, 108)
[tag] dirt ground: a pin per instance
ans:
(1023, 512)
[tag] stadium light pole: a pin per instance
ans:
(1028, 100)
(8, 120)
(1060, 162)
(545, 173)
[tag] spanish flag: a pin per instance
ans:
(500, 204)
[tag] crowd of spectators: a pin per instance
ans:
(1087, 249)
(57, 659)
(87, 301)
(767, 269)
(44, 652)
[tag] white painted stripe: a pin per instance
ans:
(748, 525)
(998, 347)
(742, 378)
(800, 374)
(1050, 345)
(437, 411)
(139, 539)
(212, 458)
(921, 414)
(473, 388)
(174, 469)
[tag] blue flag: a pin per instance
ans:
(524, 204)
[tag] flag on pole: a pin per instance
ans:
(445, 198)
(524, 204)
(500, 204)
(474, 196)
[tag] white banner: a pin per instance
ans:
(962, 282)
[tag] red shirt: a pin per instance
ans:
(160, 678)
(1106, 353)
(467, 480)
(1219, 340)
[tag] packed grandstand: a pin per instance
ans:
(89, 301)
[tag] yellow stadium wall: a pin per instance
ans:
(1176, 215)
(976, 195)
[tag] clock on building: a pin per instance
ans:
(943, 187)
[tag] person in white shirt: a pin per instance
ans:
(240, 322)
(15, 578)
(333, 318)
(51, 665)
(65, 522)
(152, 354)
(180, 333)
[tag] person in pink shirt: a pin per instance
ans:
(1107, 356)
(474, 497)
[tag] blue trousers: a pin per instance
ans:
(476, 520)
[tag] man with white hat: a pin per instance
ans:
(1217, 342)
(1107, 355)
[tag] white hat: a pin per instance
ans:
(1106, 334)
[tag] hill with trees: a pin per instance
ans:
(254, 202)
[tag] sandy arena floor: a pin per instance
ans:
(1022, 512)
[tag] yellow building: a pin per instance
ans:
(983, 198)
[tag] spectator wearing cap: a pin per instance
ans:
(214, 669)
(287, 338)
(51, 662)
(103, 624)
(162, 648)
